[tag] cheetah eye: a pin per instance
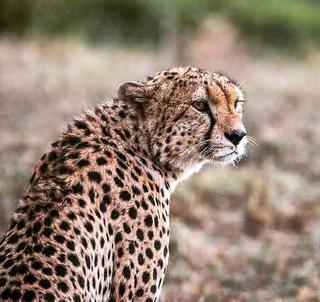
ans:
(238, 105)
(200, 105)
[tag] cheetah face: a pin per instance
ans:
(192, 116)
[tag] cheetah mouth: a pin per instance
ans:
(225, 158)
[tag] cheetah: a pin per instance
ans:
(93, 224)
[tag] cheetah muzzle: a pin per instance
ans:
(93, 224)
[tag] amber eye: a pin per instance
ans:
(200, 105)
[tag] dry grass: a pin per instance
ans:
(248, 233)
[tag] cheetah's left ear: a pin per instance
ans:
(134, 91)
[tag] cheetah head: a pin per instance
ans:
(191, 116)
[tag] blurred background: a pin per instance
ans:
(248, 233)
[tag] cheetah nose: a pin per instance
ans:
(235, 136)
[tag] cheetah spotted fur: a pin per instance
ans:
(93, 224)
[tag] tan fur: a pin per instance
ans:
(94, 222)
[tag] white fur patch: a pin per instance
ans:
(188, 171)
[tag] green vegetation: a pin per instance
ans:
(289, 24)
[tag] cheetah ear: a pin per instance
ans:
(134, 91)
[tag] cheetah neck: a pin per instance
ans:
(123, 125)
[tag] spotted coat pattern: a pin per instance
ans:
(93, 224)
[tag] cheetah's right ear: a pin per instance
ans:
(134, 91)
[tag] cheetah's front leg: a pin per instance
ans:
(139, 265)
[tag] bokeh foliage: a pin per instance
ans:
(285, 23)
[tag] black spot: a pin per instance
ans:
(118, 237)
(82, 145)
(121, 156)
(64, 225)
(122, 114)
(145, 277)
(151, 199)
(108, 153)
(72, 216)
(150, 235)
(47, 221)
(140, 259)
(144, 205)
(156, 221)
(70, 245)
(137, 170)
(83, 163)
(13, 239)
(36, 265)
(81, 203)
(6, 294)
(104, 203)
(106, 188)
(30, 279)
(149, 253)
(132, 248)
(126, 228)
(120, 252)
(118, 182)
(135, 190)
(49, 250)
(21, 224)
(87, 260)
(47, 271)
(126, 272)
(71, 140)
(81, 281)
(88, 227)
(122, 289)
(80, 124)
(62, 258)
(63, 287)
(47, 232)
(165, 251)
(139, 292)
(101, 161)
(125, 195)
(94, 176)
(76, 298)
(115, 214)
(91, 195)
(44, 283)
(77, 189)
(49, 297)
(52, 156)
(63, 169)
(157, 245)
(133, 213)
(59, 238)
(37, 248)
(28, 296)
(60, 270)
(155, 274)
(74, 259)
(13, 271)
(43, 168)
(36, 227)
(15, 295)
(120, 173)
(140, 234)
(22, 269)
(148, 221)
